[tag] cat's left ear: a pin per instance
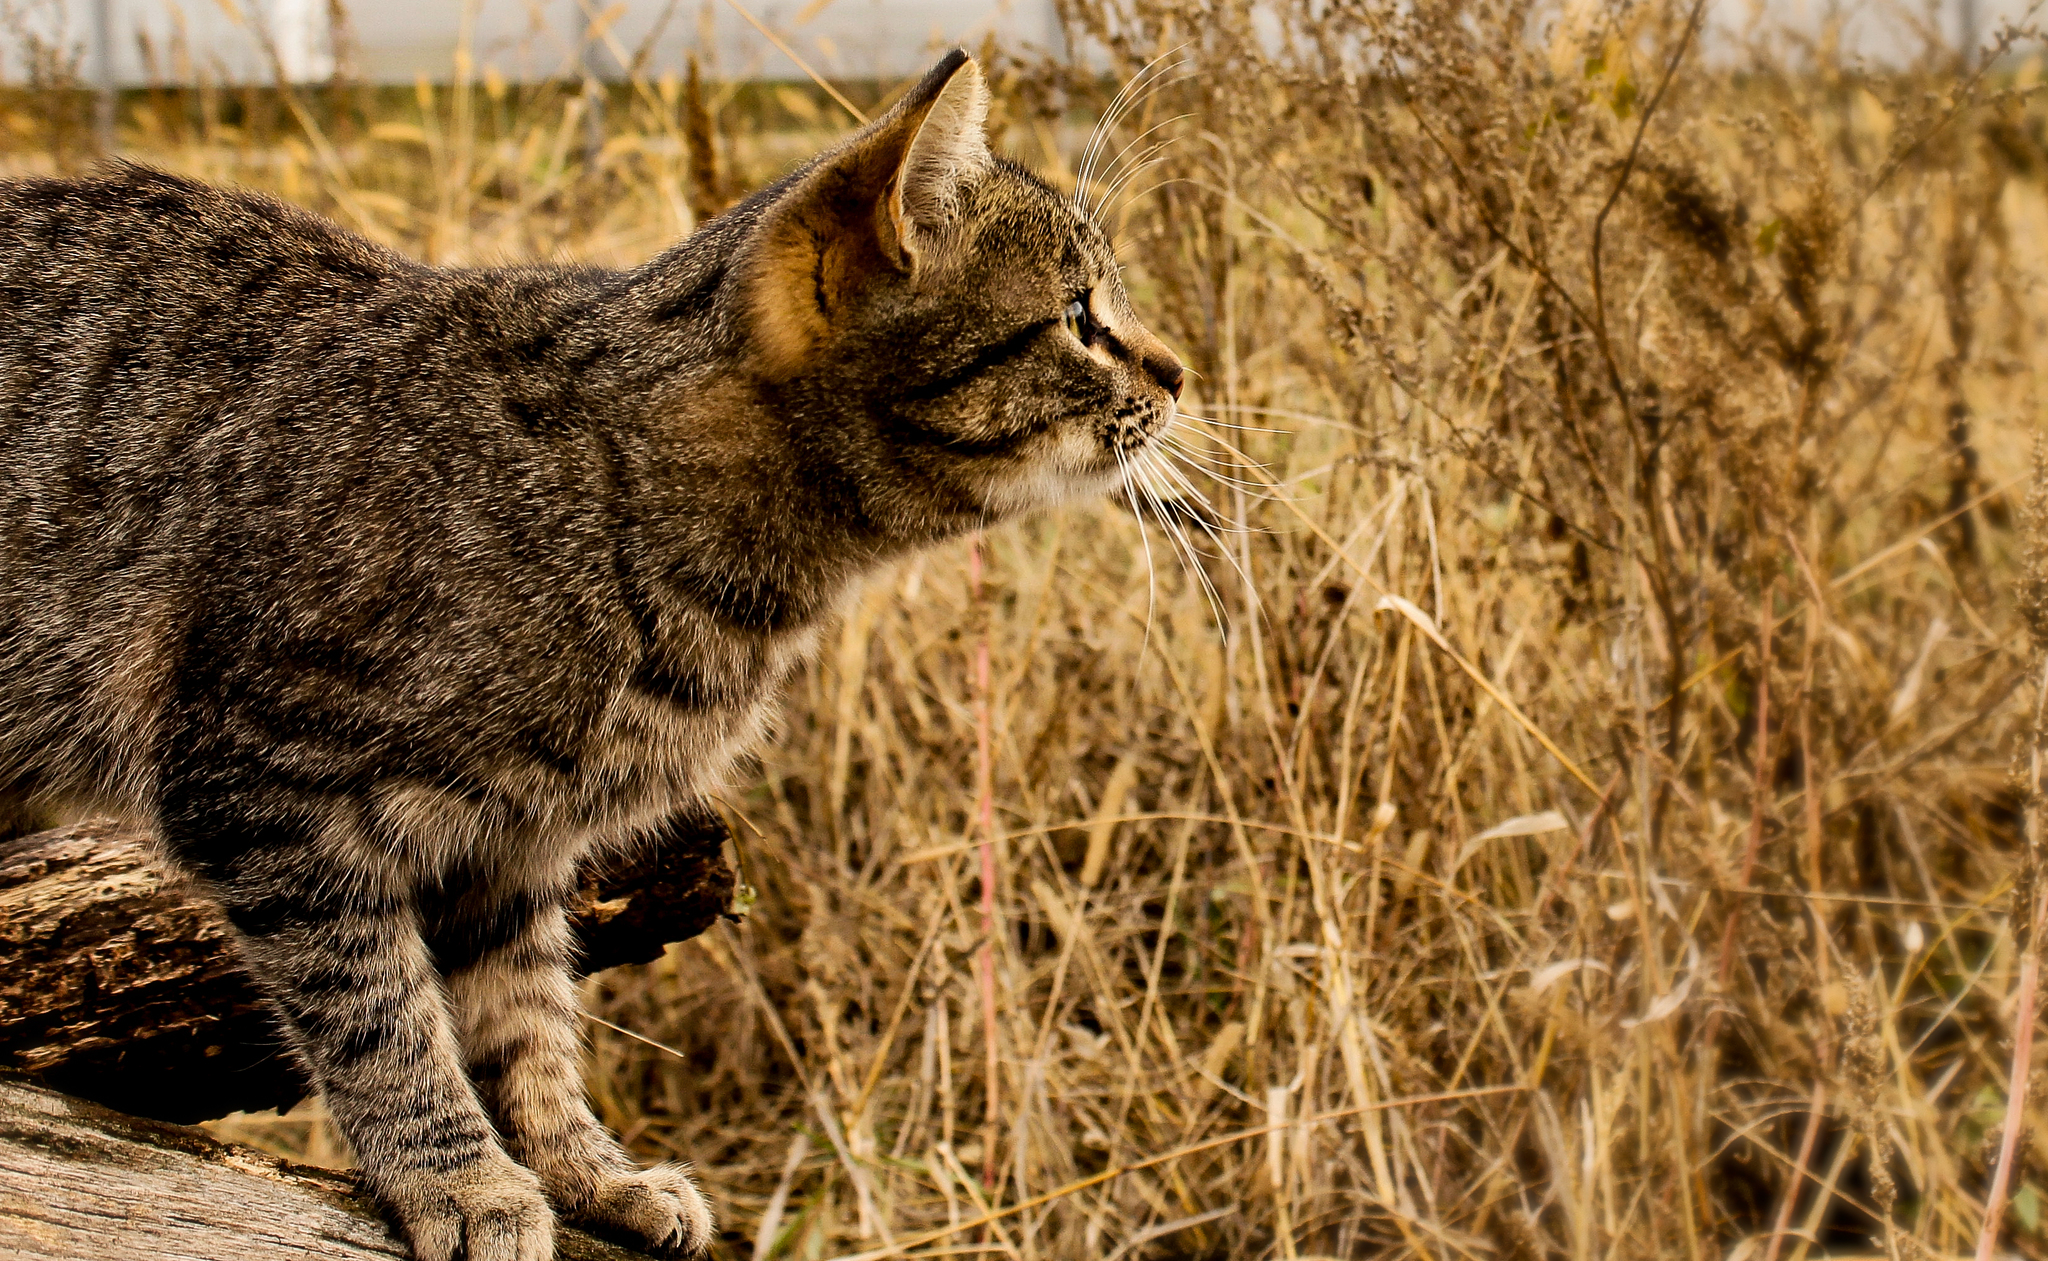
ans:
(883, 202)
(947, 150)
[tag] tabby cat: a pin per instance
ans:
(388, 594)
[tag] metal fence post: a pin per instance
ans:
(104, 93)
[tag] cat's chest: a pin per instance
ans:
(662, 748)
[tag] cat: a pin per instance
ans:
(388, 594)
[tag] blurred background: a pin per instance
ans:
(1583, 800)
(392, 41)
(132, 43)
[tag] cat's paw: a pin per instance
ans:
(492, 1211)
(659, 1207)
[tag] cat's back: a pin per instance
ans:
(141, 312)
(164, 435)
(138, 231)
(138, 304)
(138, 282)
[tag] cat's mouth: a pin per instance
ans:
(1084, 460)
(1132, 427)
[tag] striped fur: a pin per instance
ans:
(391, 594)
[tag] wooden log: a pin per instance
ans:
(122, 986)
(79, 1182)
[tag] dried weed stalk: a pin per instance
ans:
(1677, 402)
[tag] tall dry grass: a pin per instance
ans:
(1573, 810)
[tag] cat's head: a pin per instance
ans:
(954, 328)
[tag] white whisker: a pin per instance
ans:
(1127, 98)
(1178, 465)
(1153, 157)
(1124, 102)
(1215, 528)
(1171, 481)
(1211, 420)
(1248, 488)
(1110, 177)
(1208, 445)
(1273, 487)
(1310, 418)
(1163, 459)
(1120, 170)
(1195, 443)
(1210, 467)
(1145, 538)
(1195, 561)
(1100, 135)
(1138, 139)
(1133, 199)
(1183, 545)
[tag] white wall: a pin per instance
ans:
(1880, 30)
(398, 40)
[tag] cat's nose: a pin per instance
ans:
(1166, 370)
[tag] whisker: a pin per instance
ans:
(1196, 442)
(1152, 157)
(1180, 480)
(1113, 179)
(1211, 420)
(1223, 485)
(1208, 465)
(1133, 199)
(1242, 569)
(1286, 414)
(1164, 465)
(1210, 595)
(1171, 482)
(1127, 98)
(1184, 546)
(1211, 524)
(1201, 441)
(1107, 122)
(1248, 488)
(1166, 479)
(1145, 538)
(1103, 125)
(1138, 139)
(1110, 171)
(1195, 561)
(1222, 546)
(1274, 486)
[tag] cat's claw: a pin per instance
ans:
(660, 1206)
(494, 1211)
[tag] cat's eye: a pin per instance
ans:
(1076, 320)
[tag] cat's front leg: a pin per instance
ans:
(507, 964)
(339, 953)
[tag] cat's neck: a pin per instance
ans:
(735, 517)
(732, 506)
(738, 496)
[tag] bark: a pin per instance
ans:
(121, 985)
(79, 1182)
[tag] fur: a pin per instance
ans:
(390, 594)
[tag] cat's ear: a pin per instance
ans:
(883, 202)
(948, 150)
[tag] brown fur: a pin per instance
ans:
(390, 594)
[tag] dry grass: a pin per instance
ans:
(1693, 435)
